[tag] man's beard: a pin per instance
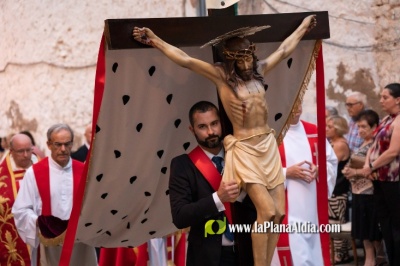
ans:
(212, 141)
(246, 75)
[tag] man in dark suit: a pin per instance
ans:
(81, 153)
(197, 194)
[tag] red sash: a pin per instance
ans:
(211, 174)
(13, 251)
(322, 200)
(42, 176)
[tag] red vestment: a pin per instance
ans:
(13, 251)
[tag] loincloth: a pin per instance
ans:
(247, 162)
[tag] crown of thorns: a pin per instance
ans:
(241, 32)
(233, 55)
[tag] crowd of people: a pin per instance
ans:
(368, 151)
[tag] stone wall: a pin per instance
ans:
(49, 52)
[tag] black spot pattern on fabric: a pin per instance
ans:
(108, 233)
(104, 195)
(139, 127)
(128, 226)
(115, 67)
(278, 116)
(125, 99)
(169, 98)
(126, 240)
(146, 210)
(160, 153)
(289, 62)
(132, 179)
(97, 129)
(117, 153)
(124, 217)
(177, 123)
(167, 192)
(222, 3)
(152, 232)
(114, 212)
(186, 145)
(265, 87)
(88, 224)
(147, 194)
(99, 177)
(99, 231)
(164, 170)
(144, 220)
(152, 69)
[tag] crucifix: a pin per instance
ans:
(251, 153)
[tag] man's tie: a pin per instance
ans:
(218, 163)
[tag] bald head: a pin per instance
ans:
(21, 150)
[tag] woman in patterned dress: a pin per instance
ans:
(382, 166)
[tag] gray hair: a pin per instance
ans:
(332, 110)
(57, 128)
(361, 97)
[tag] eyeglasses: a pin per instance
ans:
(22, 151)
(351, 104)
(58, 145)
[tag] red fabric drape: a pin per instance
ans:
(180, 251)
(124, 256)
(77, 204)
(322, 195)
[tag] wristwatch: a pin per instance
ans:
(371, 166)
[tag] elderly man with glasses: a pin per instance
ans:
(44, 204)
(13, 251)
(355, 103)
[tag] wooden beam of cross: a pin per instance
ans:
(196, 31)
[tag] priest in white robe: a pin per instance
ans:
(45, 201)
(299, 160)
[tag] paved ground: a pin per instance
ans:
(360, 256)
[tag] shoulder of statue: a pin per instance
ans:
(221, 69)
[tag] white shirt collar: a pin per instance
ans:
(295, 126)
(210, 155)
(59, 167)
